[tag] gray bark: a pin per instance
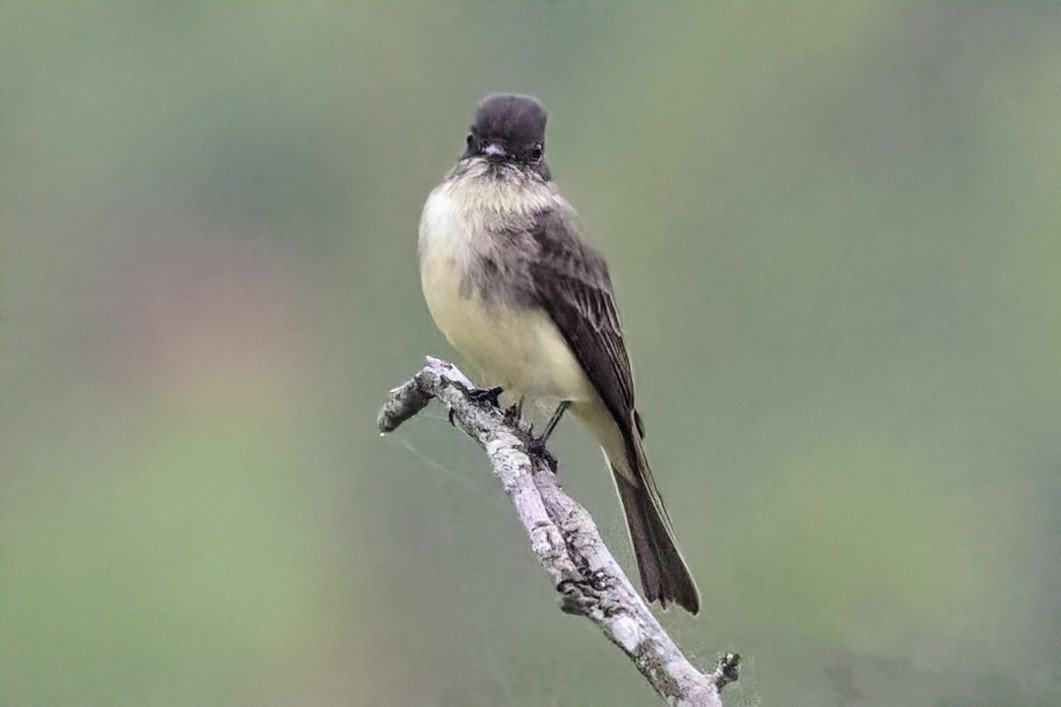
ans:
(563, 536)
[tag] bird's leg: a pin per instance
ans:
(554, 420)
(536, 445)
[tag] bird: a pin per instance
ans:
(520, 293)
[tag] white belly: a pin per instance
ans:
(520, 350)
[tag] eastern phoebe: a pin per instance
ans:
(523, 296)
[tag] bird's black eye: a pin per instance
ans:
(470, 139)
(535, 153)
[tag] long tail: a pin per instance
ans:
(664, 574)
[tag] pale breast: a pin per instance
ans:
(517, 348)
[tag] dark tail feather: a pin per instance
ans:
(664, 574)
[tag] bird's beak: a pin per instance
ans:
(494, 150)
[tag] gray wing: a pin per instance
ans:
(572, 285)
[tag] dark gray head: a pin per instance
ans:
(509, 129)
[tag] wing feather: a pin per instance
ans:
(573, 286)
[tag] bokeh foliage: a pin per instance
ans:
(834, 232)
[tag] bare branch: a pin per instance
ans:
(564, 537)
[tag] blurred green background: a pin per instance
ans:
(834, 233)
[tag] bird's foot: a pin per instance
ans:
(514, 413)
(479, 395)
(535, 447)
(487, 395)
